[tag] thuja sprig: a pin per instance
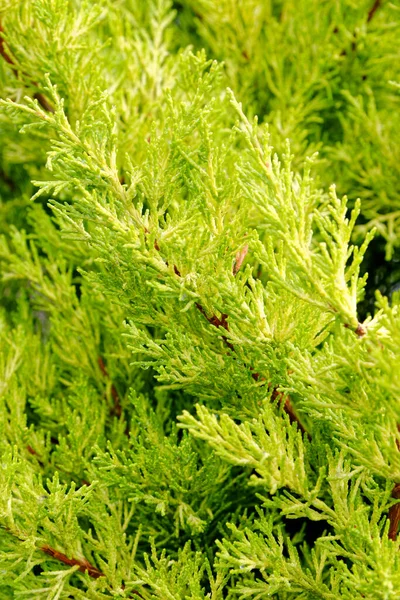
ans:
(315, 271)
(44, 103)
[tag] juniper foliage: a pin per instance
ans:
(192, 404)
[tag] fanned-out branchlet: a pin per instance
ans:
(192, 406)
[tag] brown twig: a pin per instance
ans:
(217, 322)
(289, 410)
(3, 52)
(132, 592)
(287, 405)
(394, 513)
(84, 565)
(360, 330)
(44, 103)
(373, 10)
(34, 453)
(117, 408)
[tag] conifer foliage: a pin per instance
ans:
(193, 405)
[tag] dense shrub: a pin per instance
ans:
(200, 392)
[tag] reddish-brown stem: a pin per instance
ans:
(394, 513)
(287, 405)
(83, 564)
(217, 322)
(34, 453)
(289, 410)
(3, 52)
(360, 329)
(44, 103)
(117, 408)
(373, 10)
(133, 592)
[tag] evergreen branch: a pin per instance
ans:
(370, 16)
(82, 563)
(328, 280)
(41, 98)
(276, 452)
(33, 452)
(84, 566)
(222, 321)
(213, 320)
